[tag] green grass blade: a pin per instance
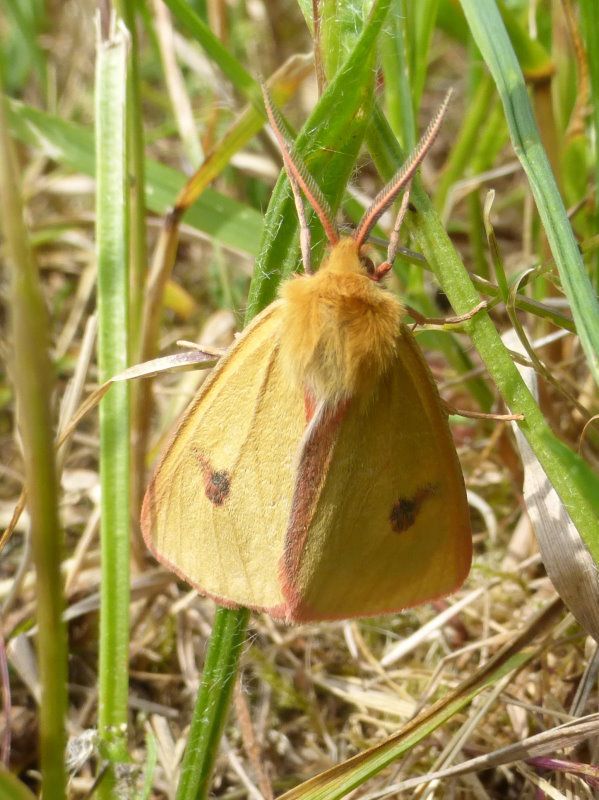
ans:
(113, 294)
(212, 705)
(34, 383)
(490, 34)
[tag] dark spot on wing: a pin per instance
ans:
(217, 483)
(405, 510)
(217, 487)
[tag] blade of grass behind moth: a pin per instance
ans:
(328, 143)
(572, 478)
(335, 783)
(491, 36)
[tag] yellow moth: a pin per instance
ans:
(314, 476)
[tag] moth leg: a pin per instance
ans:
(481, 414)
(393, 246)
(422, 320)
(305, 240)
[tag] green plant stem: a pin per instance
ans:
(212, 705)
(34, 379)
(113, 285)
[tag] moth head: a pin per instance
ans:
(301, 179)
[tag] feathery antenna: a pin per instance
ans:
(299, 175)
(389, 192)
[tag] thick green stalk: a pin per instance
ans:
(34, 379)
(113, 293)
(212, 704)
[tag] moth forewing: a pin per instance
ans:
(215, 511)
